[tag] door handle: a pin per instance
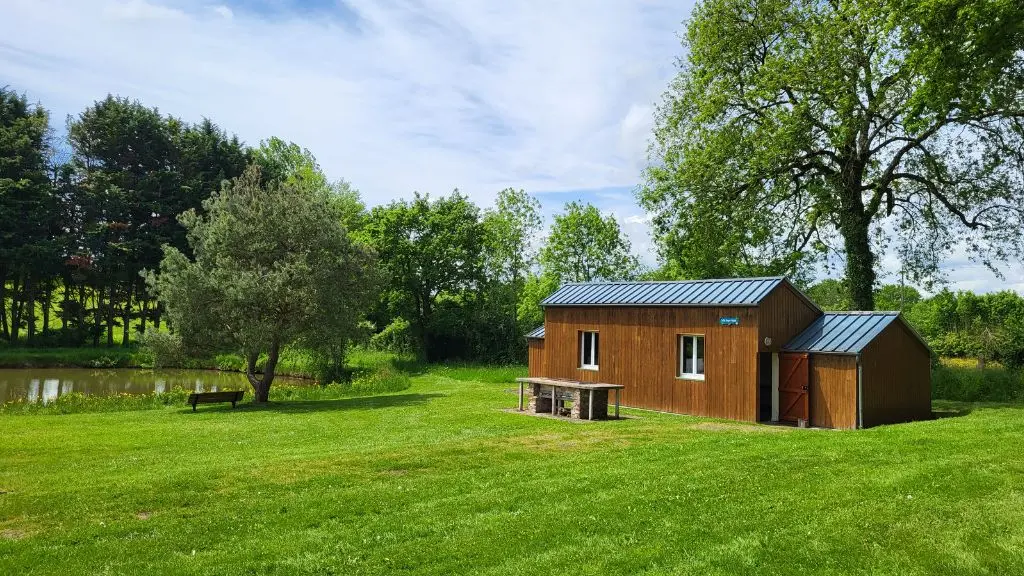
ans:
(804, 388)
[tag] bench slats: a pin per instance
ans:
(232, 396)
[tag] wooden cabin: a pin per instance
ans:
(752, 349)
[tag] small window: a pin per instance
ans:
(588, 350)
(691, 357)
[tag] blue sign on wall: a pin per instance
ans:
(729, 321)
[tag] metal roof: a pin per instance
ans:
(842, 332)
(537, 332)
(728, 292)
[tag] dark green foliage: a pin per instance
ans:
(29, 220)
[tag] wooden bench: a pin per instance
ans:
(232, 396)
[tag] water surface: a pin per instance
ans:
(46, 384)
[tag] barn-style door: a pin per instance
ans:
(794, 373)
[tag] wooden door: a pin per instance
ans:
(794, 373)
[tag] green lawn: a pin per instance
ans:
(437, 479)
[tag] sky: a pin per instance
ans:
(555, 97)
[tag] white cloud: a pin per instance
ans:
(140, 10)
(223, 11)
(393, 96)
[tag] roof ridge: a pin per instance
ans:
(739, 279)
(863, 312)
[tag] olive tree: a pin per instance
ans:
(273, 267)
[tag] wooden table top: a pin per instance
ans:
(570, 383)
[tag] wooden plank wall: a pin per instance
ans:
(896, 378)
(536, 357)
(833, 391)
(638, 348)
(783, 315)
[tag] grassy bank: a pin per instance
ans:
(438, 479)
(292, 363)
(961, 380)
(70, 358)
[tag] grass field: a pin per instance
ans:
(437, 479)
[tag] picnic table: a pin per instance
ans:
(549, 395)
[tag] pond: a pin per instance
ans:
(46, 384)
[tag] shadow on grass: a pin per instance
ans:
(955, 408)
(951, 412)
(359, 403)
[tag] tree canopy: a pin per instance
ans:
(799, 131)
(585, 245)
(28, 215)
(273, 267)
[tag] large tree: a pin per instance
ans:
(427, 248)
(797, 130)
(511, 237)
(512, 230)
(135, 171)
(585, 246)
(273, 267)
(27, 211)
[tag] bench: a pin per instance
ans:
(232, 396)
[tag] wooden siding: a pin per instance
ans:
(783, 315)
(896, 378)
(833, 391)
(536, 357)
(638, 348)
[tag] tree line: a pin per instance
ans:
(986, 327)
(87, 220)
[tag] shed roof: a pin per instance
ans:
(844, 332)
(727, 292)
(537, 332)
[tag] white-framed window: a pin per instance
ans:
(588, 350)
(691, 357)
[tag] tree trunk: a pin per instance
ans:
(261, 383)
(30, 299)
(3, 305)
(98, 297)
(156, 315)
(110, 316)
(854, 225)
(126, 315)
(47, 297)
(68, 289)
(15, 311)
(143, 314)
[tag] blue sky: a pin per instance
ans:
(393, 95)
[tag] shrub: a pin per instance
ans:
(163, 350)
(379, 382)
(962, 380)
(396, 337)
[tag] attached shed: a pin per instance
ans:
(535, 346)
(863, 369)
(734, 348)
